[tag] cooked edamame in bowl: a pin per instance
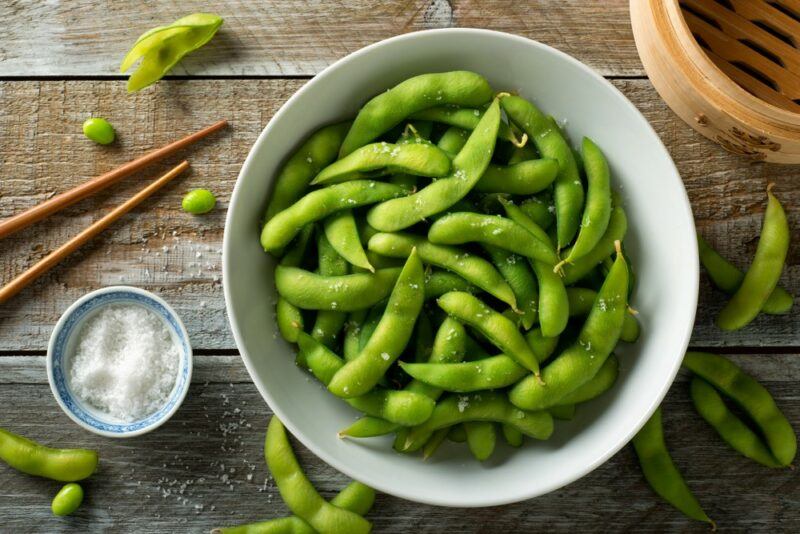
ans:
(462, 234)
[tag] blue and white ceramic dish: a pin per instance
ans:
(62, 347)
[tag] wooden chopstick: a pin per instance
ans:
(52, 259)
(26, 218)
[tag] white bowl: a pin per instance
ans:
(62, 347)
(661, 242)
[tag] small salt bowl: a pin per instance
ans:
(64, 344)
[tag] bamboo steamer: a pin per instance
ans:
(729, 68)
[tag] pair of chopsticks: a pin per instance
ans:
(58, 202)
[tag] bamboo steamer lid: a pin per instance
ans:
(729, 68)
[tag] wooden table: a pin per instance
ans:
(59, 64)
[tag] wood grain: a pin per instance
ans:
(294, 37)
(179, 255)
(194, 473)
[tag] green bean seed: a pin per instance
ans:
(317, 205)
(711, 407)
(582, 360)
(342, 233)
(751, 396)
(464, 227)
(551, 144)
(484, 406)
(481, 438)
(521, 279)
(728, 278)
(67, 500)
(350, 292)
(468, 166)
(471, 268)
(762, 277)
(99, 130)
(64, 465)
(501, 331)
(660, 470)
(316, 153)
(383, 112)
(198, 201)
(524, 178)
(390, 338)
(297, 491)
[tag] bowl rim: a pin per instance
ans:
(179, 395)
(377, 482)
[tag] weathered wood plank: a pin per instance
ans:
(159, 247)
(195, 473)
(294, 37)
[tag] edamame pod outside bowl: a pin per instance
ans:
(661, 243)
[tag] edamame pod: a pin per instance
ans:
(582, 360)
(709, 404)
(437, 283)
(551, 144)
(617, 227)
(468, 166)
(453, 140)
(512, 436)
(581, 300)
(433, 442)
(317, 205)
(751, 396)
(417, 159)
(562, 412)
(297, 491)
(465, 119)
(523, 178)
(329, 323)
(501, 331)
(465, 227)
(481, 438)
(317, 152)
(342, 234)
(489, 373)
(390, 337)
(484, 406)
(64, 465)
(539, 212)
(350, 292)
(383, 112)
(762, 277)
(471, 268)
(351, 345)
(521, 279)
(728, 278)
(600, 383)
(660, 470)
(289, 319)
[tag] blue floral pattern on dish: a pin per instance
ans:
(59, 354)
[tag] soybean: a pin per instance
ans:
(67, 500)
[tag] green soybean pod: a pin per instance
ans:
(541, 345)
(581, 361)
(494, 372)
(597, 211)
(453, 140)
(501, 331)
(711, 407)
(433, 443)
(342, 233)
(417, 159)
(465, 119)
(481, 438)
(762, 277)
(553, 301)
(539, 212)
(351, 344)
(468, 166)
(521, 279)
(484, 406)
(470, 267)
(751, 396)
(316, 153)
(289, 318)
(551, 144)
(350, 292)
(390, 337)
(601, 382)
(297, 491)
(581, 300)
(329, 323)
(562, 412)
(661, 472)
(67, 500)
(523, 178)
(383, 112)
(371, 323)
(523, 153)
(437, 283)
(512, 436)
(27, 456)
(457, 434)
(580, 268)
(475, 350)
(728, 278)
(465, 227)
(317, 205)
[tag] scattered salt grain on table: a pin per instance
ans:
(125, 363)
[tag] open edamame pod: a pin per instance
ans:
(361, 374)
(350, 292)
(762, 277)
(551, 144)
(468, 166)
(64, 465)
(297, 491)
(417, 159)
(660, 470)
(751, 396)
(582, 360)
(390, 108)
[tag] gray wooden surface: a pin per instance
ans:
(58, 63)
